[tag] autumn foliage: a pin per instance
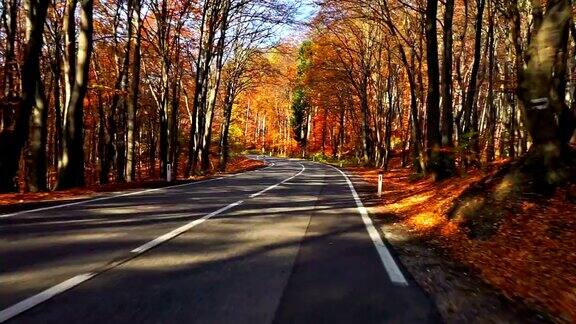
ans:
(529, 257)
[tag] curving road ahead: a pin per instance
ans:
(290, 243)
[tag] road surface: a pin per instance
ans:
(289, 243)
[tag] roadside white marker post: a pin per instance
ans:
(169, 172)
(380, 179)
(270, 153)
(340, 163)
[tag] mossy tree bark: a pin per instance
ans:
(541, 88)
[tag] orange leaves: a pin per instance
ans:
(240, 164)
(532, 256)
(236, 164)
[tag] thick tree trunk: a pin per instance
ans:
(206, 137)
(433, 138)
(211, 103)
(71, 163)
(12, 140)
(203, 64)
(10, 75)
(540, 89)
(36, 164)
(132, 106)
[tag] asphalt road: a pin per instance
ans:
(284, 244)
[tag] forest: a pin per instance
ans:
(113, 91)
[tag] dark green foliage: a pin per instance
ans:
(300, 103)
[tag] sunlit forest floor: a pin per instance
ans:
(15, 201)
(525, 248)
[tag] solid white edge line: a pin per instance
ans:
(43, 296)
(394, 272)
(125, 194)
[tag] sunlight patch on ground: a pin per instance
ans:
(407, 203)
(426, 220)
(504, 188)
(468, 208)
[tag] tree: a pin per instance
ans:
(12, 141)
(541, 88)
(447, 125)
(76, 66)
(300, 104)
(433, 138)
(135, 62)
(470, 110)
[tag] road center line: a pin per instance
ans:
(30, 302)
(47, 294)
(170, 235)
(394, 272)
(279, 183)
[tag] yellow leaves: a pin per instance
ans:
(426, 220)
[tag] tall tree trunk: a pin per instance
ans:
(36, 164)
(175, 121)
(433, 138)
(10, 75)
(540, 89)
(365, 126)
(120, 103)
(12, 140)
(203, 63)
(416, 132)
(447, 125)
(211, 103)
(56, 69)
(71, 163)
(470, 109)
(132, 106)
(492, 121)
(224, 144)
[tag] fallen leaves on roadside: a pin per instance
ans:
(532, 256)
(236, 164)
